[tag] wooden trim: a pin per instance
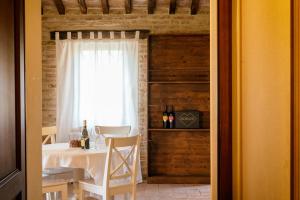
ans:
(129, 34)
(295, 100)
(225, 99)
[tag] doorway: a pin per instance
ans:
(224, 153)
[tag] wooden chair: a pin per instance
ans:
(62, 175)
(50, 133)
(108, 189)
(113, 131)
(56, 186)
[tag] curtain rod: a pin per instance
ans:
(105, 34)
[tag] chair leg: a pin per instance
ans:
(48, 196)
(76, 190)
(133, 194)
(80, 194)
(64, 192)
(55, 195)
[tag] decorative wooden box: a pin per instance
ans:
(187, 119)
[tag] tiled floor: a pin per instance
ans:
(162, 192)
(171, 192)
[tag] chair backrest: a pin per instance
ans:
(126, 170)
(50, 133)
(113, 131)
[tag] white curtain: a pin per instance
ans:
(97, 81)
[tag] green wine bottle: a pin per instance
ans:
(85, 140)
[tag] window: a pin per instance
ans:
(97, 82)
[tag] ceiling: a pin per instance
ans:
(63, 7)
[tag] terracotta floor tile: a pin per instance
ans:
(167, 192)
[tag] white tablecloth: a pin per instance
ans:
(92, 160)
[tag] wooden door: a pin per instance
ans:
(12, 107)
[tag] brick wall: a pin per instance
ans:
(157, 24)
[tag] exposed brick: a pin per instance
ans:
(157, 24)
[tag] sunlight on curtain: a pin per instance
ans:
(98, 82)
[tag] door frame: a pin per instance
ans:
(224, 141)
(295, 99)
(33, 91)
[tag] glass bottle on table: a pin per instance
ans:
(85, 140)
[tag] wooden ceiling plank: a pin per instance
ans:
(172, 9)
(151, 6)
(82, 6)
(195, 6)
(59, 6)
(105, 6)
(128, 6)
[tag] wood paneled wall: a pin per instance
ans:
(179, 76)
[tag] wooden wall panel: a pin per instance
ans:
(181, 153)
(183, 59)
(178, 75)
(182, 97)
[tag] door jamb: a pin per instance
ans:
(225, 99)
(295, 99)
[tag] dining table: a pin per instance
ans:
(92, 160)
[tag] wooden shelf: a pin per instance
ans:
(178, 179)
(179, 129)
(178, 82)
(178, 75)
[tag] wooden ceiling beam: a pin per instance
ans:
(82, 6)
(59, 6)
(172, 9)
(151, 6)
(128, 6)
(195, 6)
(105, 6)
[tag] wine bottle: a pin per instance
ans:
(85, 140)
(171, 118)
(165, 117)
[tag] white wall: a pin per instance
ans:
(262, 101)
